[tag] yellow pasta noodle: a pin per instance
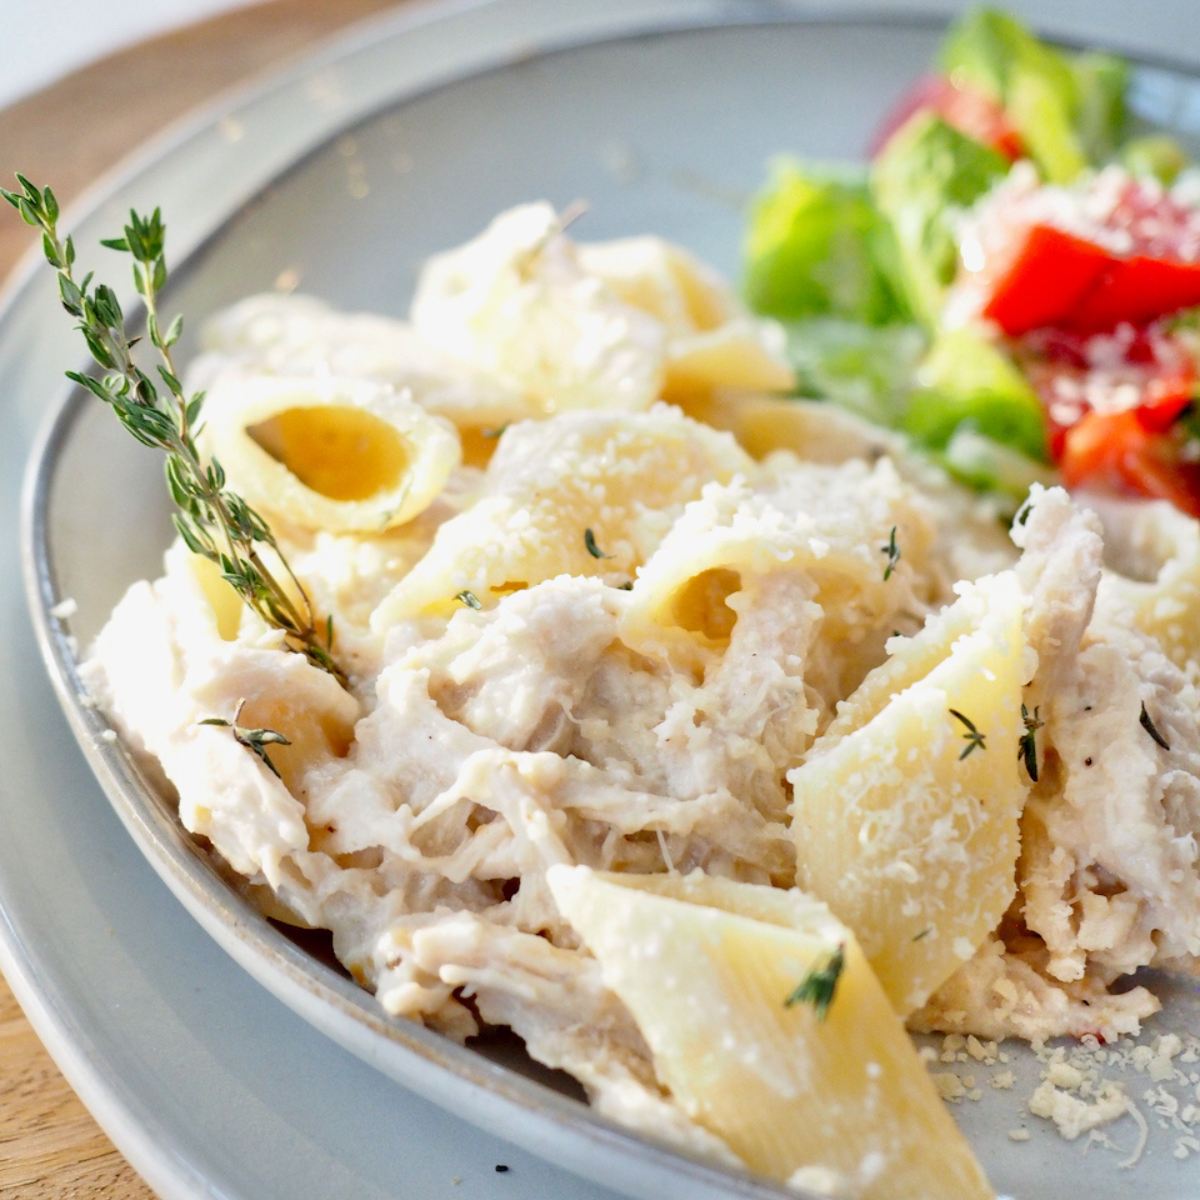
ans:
(905, 814)
(712, 342)
(707, 967)
(337, 454)
(624, 478)
(300, 335)
(831, 530)
(515, 304)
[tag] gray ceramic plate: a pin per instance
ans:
(662, 115)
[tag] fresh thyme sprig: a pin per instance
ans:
(973, 737)
(819, 986)
(255, 740)
(213, 521)
(893, 555)
(1027, 744)
(1148, 725)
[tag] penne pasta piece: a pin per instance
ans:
(825, 1088)
(302, 336)
(345, 455)
(736, 533)
(712, 341)
(516, 305)
(620, 478)
(814, 430)
(905, 813)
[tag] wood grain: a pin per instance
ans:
(69, 134)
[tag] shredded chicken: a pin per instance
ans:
(639, 708)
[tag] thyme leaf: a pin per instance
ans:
(1027, 743)
(469, 599)
(819, 986)
(973, 737)
(589, 540)
(893, 555)
(255, 740)
(213, 521)
(1148, 725)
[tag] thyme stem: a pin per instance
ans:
(892, 550)
(1027, 743)
(1148, 725)
(255, 740)
(212, 519)
(975, 738)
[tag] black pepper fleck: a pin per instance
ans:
(1087, 762)
(501, 1168)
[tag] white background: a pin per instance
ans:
(43, 39)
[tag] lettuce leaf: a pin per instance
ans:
(867, 370)
(1102, 81)
(968, 381)
(1155, 154)
(990, 466)
(816, 246)
(1068, 109)
(926, 174)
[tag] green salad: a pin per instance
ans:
(1013, 280)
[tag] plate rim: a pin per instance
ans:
(182, 866)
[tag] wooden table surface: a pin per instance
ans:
(68, 135)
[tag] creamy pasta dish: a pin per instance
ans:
(706, 737)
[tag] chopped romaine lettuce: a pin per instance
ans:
(1155, 154)
(868, 370)
(986, 48)
(926, 174)
(859, 270)
(1044, 123)
(1068, 109)
(1102, 81)
(991, 466)
(968, 380)
(817, 246)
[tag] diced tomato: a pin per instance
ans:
(1048, 275)
(1113, 403)
(1138, 290)
(1116, 452)
(1164, 403)
(1149, 372)
(969, 110)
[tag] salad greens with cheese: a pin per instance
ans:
(1013, 279)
